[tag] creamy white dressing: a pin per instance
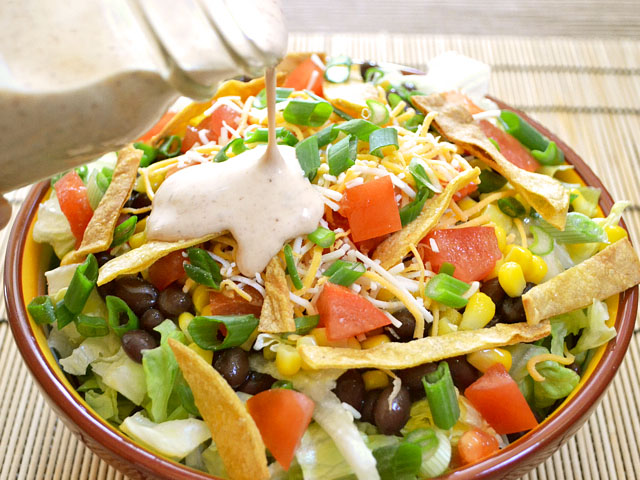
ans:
(261, 196)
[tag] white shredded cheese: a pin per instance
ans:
(434, 245)
(251, 283)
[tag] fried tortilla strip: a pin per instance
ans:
(143, 257)
(99, 233)
(546, 195)
(292, 60)
(232, 428)
(610, 271)
(277, 310)
(397, 246)
(396, 355)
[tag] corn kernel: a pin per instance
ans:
(385, 295)
(354, 343)
(306, 340)
(511, 279)
(537, 270)
(521, 256)
(288, 361)
(207, 355)
(320, 335)
(268, 354)
(496, 269)
(615, 233)
(466, 203)
(200, 297)
(453, 316)
(501, 236)
(445, 326)
(206, 311)
(184, 319)
(581, 204)
(484, 359)
(141, 225)
(375, 341)
(137, 239)
(375, 379)
(478, 312)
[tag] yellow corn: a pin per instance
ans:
(141, 225)
(375, 379)
(484, 359)
(453, 316)
(496, 269)
(137, 239)
(536, 271)
(385, 295)
(466, 203)
(184, 319)
(353, 343)
(581, 204)
(200, 297)
(445, 326)
(522, 256)
(206, 311)
(375, 341)
(501, 236)
(478, 312)
(615, 233)
(320, 335)
(207, 355)
(511, 279)
(288, 361)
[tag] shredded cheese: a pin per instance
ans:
(523, 236)
(533, 361)
(232, 286)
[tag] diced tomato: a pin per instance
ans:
(167, 270)
(476, 444)
(370, 245)
(214, 122)
(157, 128)
(472, 250)
(510, 147)
(74, 203)
(455, 96)
(464, 191)
(234, 304)
(282, 416)
(497, 397)
(191, 136)
(345, 314)
(303, 77)
(371, 209)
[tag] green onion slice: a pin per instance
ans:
(447, 268)
(202, 268)
(419, 174)
(83, 281)
(410, 212)
(338, 69)
(578, 229)
(237, 146)
(326, 135)
(490, 181)
(394, 99)
(116, 307)
(123, 232)
(414, 122)
(542, 242)
(323, 237)
(89, 326)
(281, 95)
(170, 147)
(495, 143)
(63, 316)
(42, 310)
(103, 178)
(447, 290)
(435, 462)
(342, 155)
(378, 112)
(83, 172)
(291, 267)
(285, 384)
(373, 74)
(204, 330)
(512, 207)
(149, 153)
(522, 131)
(382, 138)
(442, 397)
(362, 129)
(550, 155)
(283, 136)
(309, 156)
(305, 324)
(398, 461)
(344, 273)
(313, 113)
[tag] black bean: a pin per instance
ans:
(364, 66)
(462, 372)
(135, 341)
(575, 367)
(102, 258)
(233, 365)
(370, 399)
(137, 293)
(350, 389)
(493, 289)
(403, 333)
(172, 301)
(138, 200)
(106, 289)
(391, 420)
(256, 382)
(151, 319)
(412, 379)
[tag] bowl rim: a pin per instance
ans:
(554, 432)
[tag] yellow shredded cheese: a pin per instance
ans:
(232, 286)
(533, 361)
(523, 236)
(312, 271)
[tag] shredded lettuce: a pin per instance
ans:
(53, 227)
(105, 404)
(89, 351)
(213, 462)
(59, 278)
(319, 458)
(596, 332)
(123, 375)
(559, 382)
(64, 341)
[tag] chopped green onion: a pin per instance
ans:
(447, 268)
(305, 324)
(522, 131)
(549, 156)
(237, 146)
(379, 139)
(202, 268)
(204, 330)
(337, 111)
(394, 99)
(400, 461)
(378, 112)
(103, 178)
(344, 273)
(89, 326)
(495, 144)
(283, 136)
(307, 112)
(123, 232)
(281, 95)
(55, 179)
(373, 74)
(323, 237)
(116, 307)
(414, 122)
(420, 176)
(435, 463)
(542, 242)
(578, 229)
(291, 267)
(285, 384)
(326, 135)
(447, 290)
(170, 147)
(308, 156)
(362, 129)
(442, 398)
(425, 437)
(412, 210)
(342, 155)
(82, 172)
(512, 207)
(83, 282)
(42, 310)
(338, 69)
(490, 181)
(149, 153)
(63, 316)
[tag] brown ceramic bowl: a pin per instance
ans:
(26, 263)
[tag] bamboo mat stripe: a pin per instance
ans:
(586, 91)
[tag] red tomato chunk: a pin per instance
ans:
(167, 270)
(74, 203)
(510, 147)
(304, 78)
(475, 444)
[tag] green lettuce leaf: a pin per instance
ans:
(596, 332)
(559, 382)
(105, 404)
(89, 351)
(52, 227)
(319, 458)
(123, 375)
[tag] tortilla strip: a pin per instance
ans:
(143, 257)
(232, 428)
(546, 195)
(610, 271)
(398, 245)
(396, 355)
(99, 233)
(292, 60)
(277, 310)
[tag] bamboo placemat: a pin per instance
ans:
(586, 91)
